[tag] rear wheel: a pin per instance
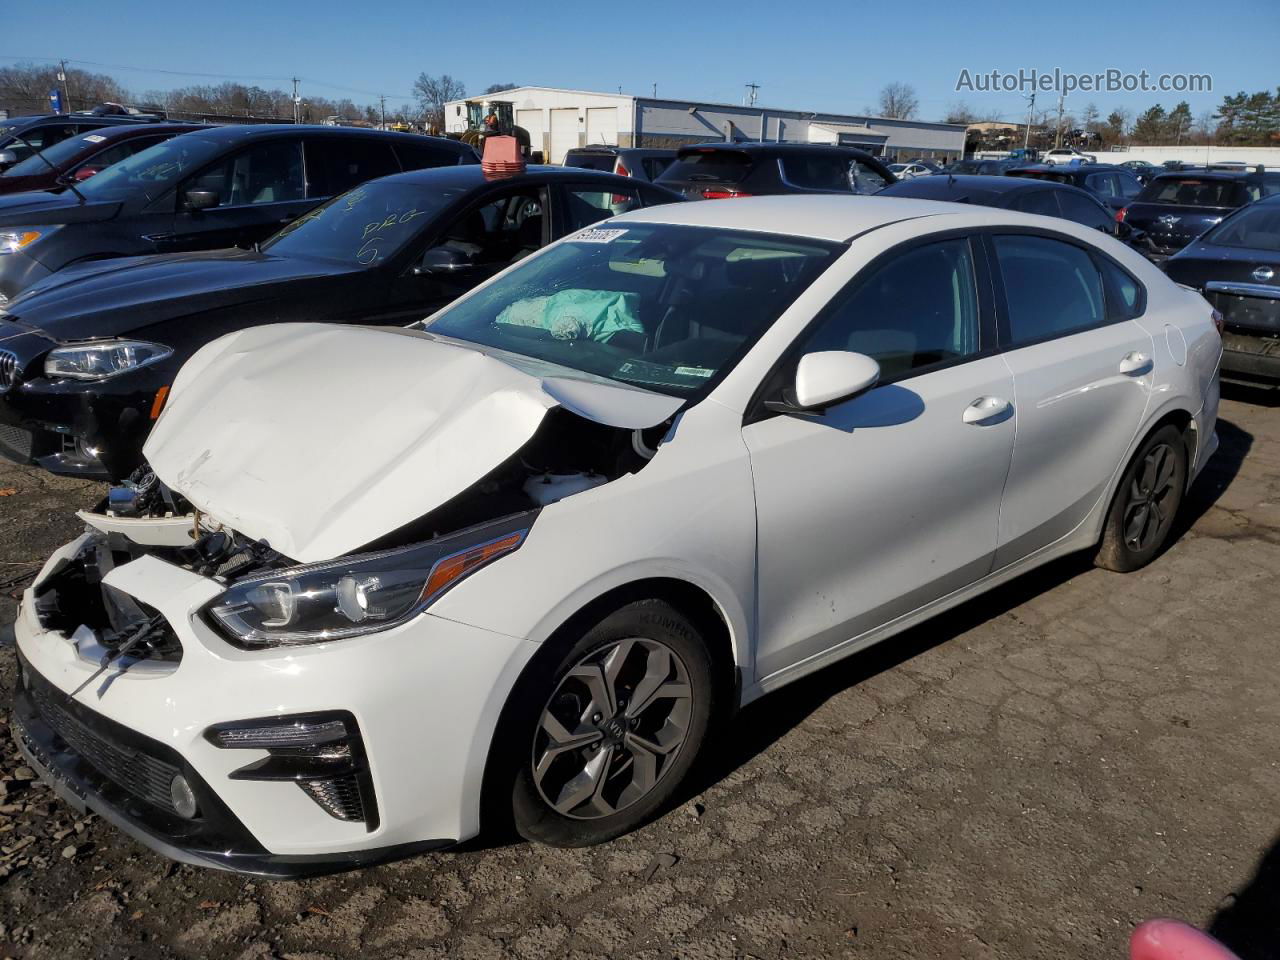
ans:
(602, 735)
(1146, 503)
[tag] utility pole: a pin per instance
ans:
(1031, 111)
(383, 100)
(1057, 135)
(751, 93)
(296, 117)
(66, 83)
(655, 90)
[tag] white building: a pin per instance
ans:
(558, 120)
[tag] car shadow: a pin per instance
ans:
(1234, 445)
(1248, 922)
(765, 721)
(1256, 396)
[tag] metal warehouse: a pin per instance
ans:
(558, 120)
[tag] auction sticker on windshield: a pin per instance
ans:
(598, 236)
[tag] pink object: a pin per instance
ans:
(1174, 940)
(502, 151)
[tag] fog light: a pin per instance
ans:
(184, 801)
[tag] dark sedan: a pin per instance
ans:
(85, 155)
(1176, 207)
(985, 168)
(215, 187)
(87, 356)
(1114, 186)
(1236, 265)
(20, 137)
(1044, 197)
(724, 171)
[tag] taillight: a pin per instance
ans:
(1219, 320)
(722, 194)
(1120, 214)
(622, 171)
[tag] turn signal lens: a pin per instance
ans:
(1219, 321)
(450, 570)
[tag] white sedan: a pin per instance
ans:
(516, 563)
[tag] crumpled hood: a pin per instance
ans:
(320, 438)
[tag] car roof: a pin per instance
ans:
(1203, 173)
(767, 147)
(472, 175)
(941, 184)
(126, 131)
(827, 217)
(235, 132)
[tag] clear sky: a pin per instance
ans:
(813, 54)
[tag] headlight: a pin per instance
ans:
(105, 358)
(358, 594)
(13, 239)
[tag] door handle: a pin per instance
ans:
(986, 409)
(1135, 364)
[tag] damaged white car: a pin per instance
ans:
(382, 587)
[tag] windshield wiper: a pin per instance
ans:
(49, 164)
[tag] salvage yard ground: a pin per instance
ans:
(1029, 776)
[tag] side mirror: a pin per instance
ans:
(200, 199)
(829, 376)
(442, 261)
(7, 159)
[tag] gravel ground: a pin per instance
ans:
(1029, 776)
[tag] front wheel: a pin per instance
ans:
(601, 736)
(1146, 503)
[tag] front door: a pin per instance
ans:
(889, 500)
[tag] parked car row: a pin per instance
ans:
(454, 499)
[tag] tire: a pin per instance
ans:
(580, 764)
(1146, 503)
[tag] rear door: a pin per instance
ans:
(1082, 373)
(260, 188)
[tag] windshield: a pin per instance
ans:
(708, 163)
(59, 154)
(153, 170)
(590, 161)
(665, 307)
(366, 225)
(1257, 227)
(1193, 192)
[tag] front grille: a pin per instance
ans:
(141, 775)
(340, 798)
(8, 369)
(16, 439)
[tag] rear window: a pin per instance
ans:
(1256, 227)
(590, 161)
(726, 166)
(1193, 192)
(654, 167)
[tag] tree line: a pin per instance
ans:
(24, 89)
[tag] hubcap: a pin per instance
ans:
(612, 728)
(1147, 513)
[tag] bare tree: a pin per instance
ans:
(433, 93)
(499, 87)
(899, 100)
(960, 112)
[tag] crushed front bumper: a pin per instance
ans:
(425, 696)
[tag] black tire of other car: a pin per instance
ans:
(646, 652)
(1146, 502)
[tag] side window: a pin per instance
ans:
(1084, 210)
(587, 206)
(817, 172)
(41, 138)
(864, 179)
(1103, 184)
(1042, 202)
(268, 172)
(654, 167)
(919, 309)
(335, 165)
(105, 158)
(1052, 288)
(499, 231)
(1130, 186)
(420, 156)
(1125, 297)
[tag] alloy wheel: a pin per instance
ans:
(612, 728)
(1147, 513)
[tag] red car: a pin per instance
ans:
(80, 157)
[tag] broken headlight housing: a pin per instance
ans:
(360, 594)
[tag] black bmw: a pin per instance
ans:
(87, 355)
(1236, 265)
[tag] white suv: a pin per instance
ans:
(524, 558)
(1065, 155)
